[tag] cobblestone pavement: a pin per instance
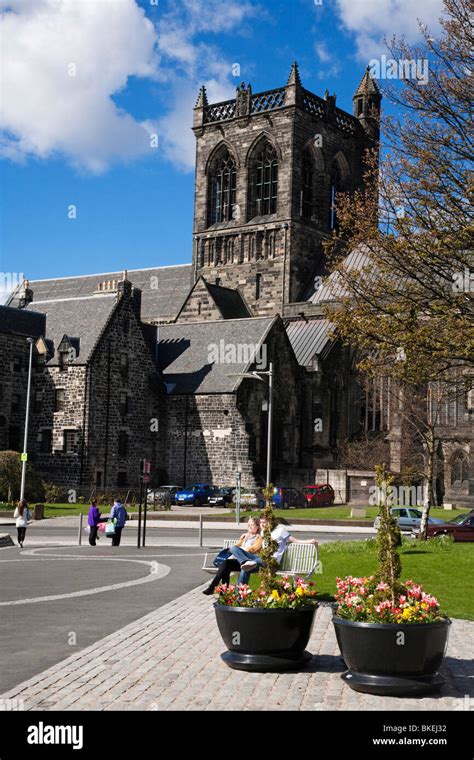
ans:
(169, 660)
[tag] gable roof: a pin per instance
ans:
(82, 320)
(310, 338)
(13, 321)
(185, 353)
(164, 289)
(229, 302)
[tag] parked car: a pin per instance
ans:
(408, 518)
(461, 528)
(222, 497)
(252, 498)
(319, 495)
(196, 495)
(158, 495)
(284, 498)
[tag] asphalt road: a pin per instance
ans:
(44, 532)
(56, 596)
(36, 630)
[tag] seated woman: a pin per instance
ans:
(243, 553)
(282, 536)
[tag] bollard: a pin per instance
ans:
(79, 535)
(200, 530)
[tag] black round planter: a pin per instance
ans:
(392, 659)
(265, 640)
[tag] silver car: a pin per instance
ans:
(408, 518)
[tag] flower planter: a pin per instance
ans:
(265, 640)
(392, 659)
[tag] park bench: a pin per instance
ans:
(300, 560)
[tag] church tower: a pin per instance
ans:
(268, 168)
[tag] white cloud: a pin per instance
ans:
(195, 63)
(331, 66)
(62, 62)
(371, 20)
(46, 111)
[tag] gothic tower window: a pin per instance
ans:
(222, 187)
(307, 189)
(264, 181)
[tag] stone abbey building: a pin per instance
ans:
(149, 363)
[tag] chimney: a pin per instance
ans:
(27, 295)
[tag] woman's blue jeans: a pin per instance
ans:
(242, 556)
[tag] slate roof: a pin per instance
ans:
(81, 318)
(183, 353)
(229, 302)
(164, 289)
(15, 321)
(333, 287)
(309, 339)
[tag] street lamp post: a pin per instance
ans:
(24, 455)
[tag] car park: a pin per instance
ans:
(319, 495)
(163, 493)
(285, 498)
(252, 498)
(460, 528)
(222, 497)
(408, 518)
(196, 495)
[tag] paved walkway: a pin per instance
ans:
(169, 660)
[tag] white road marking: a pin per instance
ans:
(157, 571)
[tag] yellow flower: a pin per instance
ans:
(275, 594)
(299, 591)
(406, 613)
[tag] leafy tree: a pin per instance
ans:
(10, 479)
(409, 288)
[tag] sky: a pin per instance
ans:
(96, 147)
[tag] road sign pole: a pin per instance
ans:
(140, 516)
(144, 514)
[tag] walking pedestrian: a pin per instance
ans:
(120, 514)
(22, 515)
(93, 521)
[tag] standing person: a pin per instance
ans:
(93, 522)
(243, 554)
(283, 537)
(120, 514)
(22, 515)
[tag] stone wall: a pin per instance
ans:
(13, 382)
(283, 248)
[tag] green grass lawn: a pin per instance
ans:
(445, 572)
(340, 513)
(65, 510)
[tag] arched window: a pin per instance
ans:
(264, 181)
(459, 467)
(222, 186)
(307, 189)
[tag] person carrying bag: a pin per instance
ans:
(119, 517)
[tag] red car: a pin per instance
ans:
(461, 528)
(320, 495)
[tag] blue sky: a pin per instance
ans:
(87, 86)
